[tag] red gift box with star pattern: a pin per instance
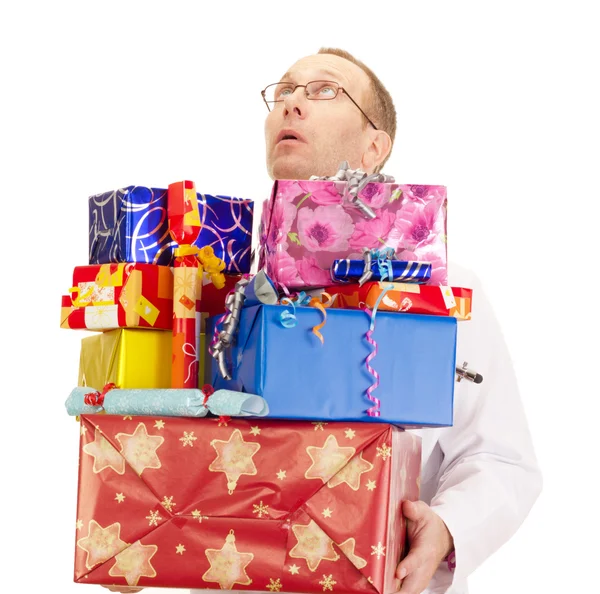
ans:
(280, 506)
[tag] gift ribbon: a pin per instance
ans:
(356, 180)
(374, 411)
(303, 299)
(97, 398)
(286, 318)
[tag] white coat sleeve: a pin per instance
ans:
(489, 477)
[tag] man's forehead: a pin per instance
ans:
(333, 67)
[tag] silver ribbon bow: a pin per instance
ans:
(357, 179)
(234, 303)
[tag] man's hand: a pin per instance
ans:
(429, 543)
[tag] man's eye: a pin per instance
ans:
(284, 92)
(327, 92)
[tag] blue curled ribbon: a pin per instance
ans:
(287, 318)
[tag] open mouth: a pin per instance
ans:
(289, 135)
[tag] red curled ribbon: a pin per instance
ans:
(97, 398)
(208, 391)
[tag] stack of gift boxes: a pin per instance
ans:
(268, 452)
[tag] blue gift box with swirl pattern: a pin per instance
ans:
(131, 225)
(304, 379)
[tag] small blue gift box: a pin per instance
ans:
(131, 225)
(302, 379)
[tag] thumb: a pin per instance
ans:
(412, 510)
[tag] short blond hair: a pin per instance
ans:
(381, 106)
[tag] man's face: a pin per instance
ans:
(327, 132)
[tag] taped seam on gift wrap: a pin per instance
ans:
(375, 410)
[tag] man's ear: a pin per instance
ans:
(378, 149)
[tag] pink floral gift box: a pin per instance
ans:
(306, 225)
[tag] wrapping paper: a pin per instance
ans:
(168, 402)
(129, 358)
(184, 227)
(109, 296)
(302, 378)
(395, 270)
(280, 506)
(405, 297)
(306, 225)
(130, 225)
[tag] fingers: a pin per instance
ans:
(415, 571)
(415, 583)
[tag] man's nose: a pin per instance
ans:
(295, 103)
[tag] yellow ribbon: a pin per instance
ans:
(81, 300)
(212, 265)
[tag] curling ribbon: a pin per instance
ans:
(286, 318)
(374, 411)
(97, 398)
(303, 298)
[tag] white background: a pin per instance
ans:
(496, 100)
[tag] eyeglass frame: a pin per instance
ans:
(339, 88)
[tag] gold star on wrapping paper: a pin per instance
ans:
(128, 418)
(274, 585)
(351, 473)
(83, 430)
(139, 448)
(326, 513)
(154, 518)
(281, 475)
(104, 453)
(234, 458)
(319, 425)
(255, 430)
(197, 515)
(101, 543)
(350, 433)
(159, 424)
(347, 547)
(378, 550)
(260, 509)
(313, 545)
(78, 525)
(294, 569)
(168, 503)
(179, 549)
(385, 451)
(119, 497)
(227, 565)
(371, 485)
(327, 460)
(327, 582)
(188, 439)
(134, 563)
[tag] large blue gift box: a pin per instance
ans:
(303, 379)
(131, 225)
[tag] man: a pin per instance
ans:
(480, 477)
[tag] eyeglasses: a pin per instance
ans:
(315, 90)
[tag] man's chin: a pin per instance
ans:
(292, 167)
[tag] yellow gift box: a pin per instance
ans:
(127, 357)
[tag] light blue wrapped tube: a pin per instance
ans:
(169, 402)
